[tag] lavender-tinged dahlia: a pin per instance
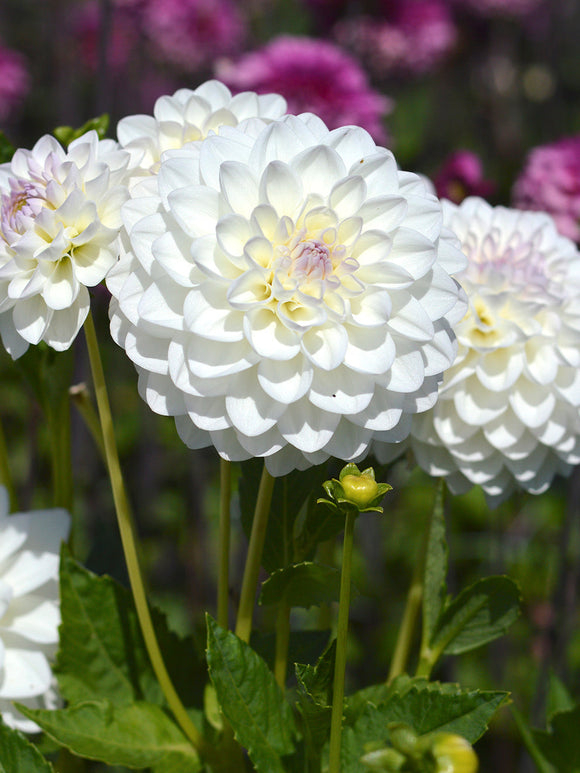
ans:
(409, 38)
(508, 414)
(461, 176)
(286, 295)
(314, 76)
(59, 225)
(14, 81)
(192, 33)
(189, 116)
(550, 182)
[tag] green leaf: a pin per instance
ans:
(304, 646)
(434, 585)
(18, 755)
(290, 493)
(66, 134)
(7, 149)
(138, 736)
(540, 761)
(315, 700)
(561, 745)
(559, 699)
(102, 653)
(302, 585)
(479, 614)
(250, 699)
(426, 707)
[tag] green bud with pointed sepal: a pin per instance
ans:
(355, 490)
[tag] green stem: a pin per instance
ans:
(58, 417)
(254, 557)
(407, 629)
(282, 642)
(79, 395)
(5, 473)
(541, 763)
(341, 637)
(326, 556)
(224, 544)
(127, 530)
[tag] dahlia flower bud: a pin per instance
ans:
(453, 754)
(388, 760)
(355, 489)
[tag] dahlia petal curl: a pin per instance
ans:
(189, 116)
(286, 295)
(59, 228)
(508, 413)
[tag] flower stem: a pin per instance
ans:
(282, 642)
(410, 616)
(341, 637)
(58, 416)
(79, 395)
(127, 529)
(254, 557)
(224, 543)
(5, 473)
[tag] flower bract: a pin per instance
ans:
(29, 608)
(286, 294)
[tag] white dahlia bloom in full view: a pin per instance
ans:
(189, 116)
(29, 608)
(59, 225)
(508, 414)
(287, 295)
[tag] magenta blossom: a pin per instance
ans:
(190, 33)
(460, 176)
(407, 38)
(314, 76)
(550, 182)
(14, 81)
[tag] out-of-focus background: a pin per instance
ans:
(462, 91)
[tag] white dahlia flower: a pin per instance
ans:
(189, 116)
(287, 295)
(59, 224)
(508, 410)
(29, 608)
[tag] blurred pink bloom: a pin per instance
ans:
(460, 176)
(122, 39)
(410, 37)
(513, 8)
(14, 81)
(550, 182)
(190, 33)
(314, 76)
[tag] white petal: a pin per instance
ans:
(64, 325)
(239, 187)
(31, 318)
(251, 411)
(341, 391)
(34, 618)
(196, 209)
(285, 381)
(319, 168)
(306, 427)
(26, 673)
(268, 337)
(325, 346)
(369, 350)
(282, 188)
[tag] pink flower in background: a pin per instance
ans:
(460, 176)
(14, 81)
(314, 76)
(408, 37)
(513, 8)
(122, 39)
(190, 33)
(550, 182)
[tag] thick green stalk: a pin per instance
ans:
(224, 543)
(254, 557)
(282, 642)
(407, 629)
(128, 538)
(341, 640)
(5, 473)
(79, 395)
(58, 416)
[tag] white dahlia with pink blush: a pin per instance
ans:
(59, 226)
(508, 414)
(189, 116)
(286, 295)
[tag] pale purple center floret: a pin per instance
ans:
(17, 207)
(312, 259)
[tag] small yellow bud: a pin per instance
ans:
(359, 489)
(453, 754)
